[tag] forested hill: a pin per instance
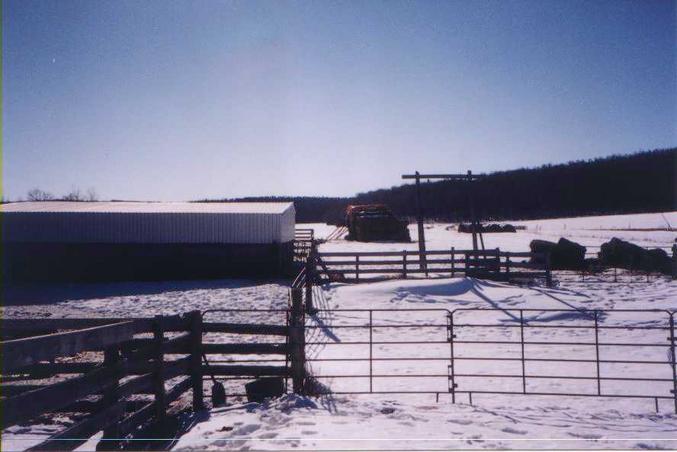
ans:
(641, 182)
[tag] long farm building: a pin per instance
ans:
(98, 241)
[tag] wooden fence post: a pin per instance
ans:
(310, 277)
(498, 262)
(297, 341)
(674, 261)
(159, 377)
(507, 267)
(466, 270)
(357, 268)
(195, 319)
(404, 264)
(111, 356)
(453, 265)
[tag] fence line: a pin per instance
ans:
(518, 348)
(374, 265)
(132, 365)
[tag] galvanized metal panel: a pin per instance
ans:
(157, 224)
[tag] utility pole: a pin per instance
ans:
(421, 232)
(468, 178)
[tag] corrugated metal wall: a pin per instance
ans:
(151, 227)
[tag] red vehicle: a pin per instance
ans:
(375, 222)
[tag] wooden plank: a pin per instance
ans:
(136, 419)
(18, 353)
(78, 434)
(44, 370)
(142, 324)
(178, 389)
(137, 385)
(132, 386)
(252, 371)
(385, 271)
(178, 367)
(44, 399)
(245, 328)
(51, 325)
(13, 390)
(521, 254)
(389, 253)
(528, 274)
(398, 263)
(176, 345)
(533, 265)
(27, 405)
(245, 349)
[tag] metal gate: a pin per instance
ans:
(555, 352)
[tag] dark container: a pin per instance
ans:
(262, 388)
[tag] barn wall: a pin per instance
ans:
(101, 227)
(146, 241)
(36, 262)
(287, 225)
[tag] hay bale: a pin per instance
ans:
(621, 254)
(543, 248)
(493, 227)
(567, 255)
(659, 261)
(564, 255)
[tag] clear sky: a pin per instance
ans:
(180, 100)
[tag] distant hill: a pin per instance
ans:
(641, 182)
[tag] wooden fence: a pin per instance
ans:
(374, 265)
(304, 239)
(111, 367)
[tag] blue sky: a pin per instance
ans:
(180, 100)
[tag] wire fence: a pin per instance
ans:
(554, 352)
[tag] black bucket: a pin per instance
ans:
(262, 388)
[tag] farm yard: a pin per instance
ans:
(379, 352)
(302, 225)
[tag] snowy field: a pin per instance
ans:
(588, 231)
(426, 421)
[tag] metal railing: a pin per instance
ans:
(588, 353)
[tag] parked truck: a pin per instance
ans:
(375, 222)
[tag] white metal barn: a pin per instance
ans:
(145, 240)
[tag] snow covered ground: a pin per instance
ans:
(407, 421)
(419, 421)
(588, 231)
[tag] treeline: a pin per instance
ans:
(309, 209)
(641, 182)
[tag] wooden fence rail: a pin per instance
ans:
(130, 366)
(372, 265)
(165, 363)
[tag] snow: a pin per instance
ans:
(588, 231)
(427, 421)
(419, 423)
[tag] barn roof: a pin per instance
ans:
(149, 207)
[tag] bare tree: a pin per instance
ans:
(74, 195)
(91, 195)
(36, 194)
